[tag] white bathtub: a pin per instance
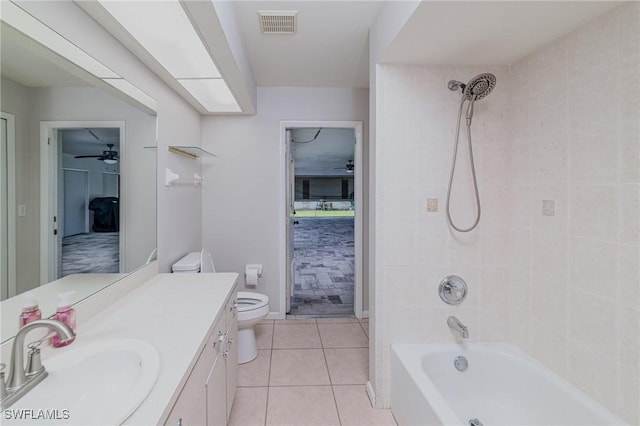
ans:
(501, 386)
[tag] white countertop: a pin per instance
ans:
(173, 313)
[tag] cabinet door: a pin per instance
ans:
(231, 361)
(185, 409)
(217, 394)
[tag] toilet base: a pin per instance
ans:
(247, 348)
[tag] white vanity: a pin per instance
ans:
(190, 319)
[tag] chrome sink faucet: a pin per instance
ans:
(19, 381)
(455, 324)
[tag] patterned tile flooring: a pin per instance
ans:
(324, 260)
(97, 252)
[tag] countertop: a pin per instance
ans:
(84, 286)
(172, 312)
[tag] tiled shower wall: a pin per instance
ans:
(561, 129)
(415, 249)
(576, 145)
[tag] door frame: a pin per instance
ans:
(12, 285)
(49, 179)
(357, 127)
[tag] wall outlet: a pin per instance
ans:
(548, 208)
(22, 210)
(432, 205)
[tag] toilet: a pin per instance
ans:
(252, 307)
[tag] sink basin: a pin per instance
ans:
(94, 384)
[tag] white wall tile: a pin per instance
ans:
(593, 266)
(629, 214)
(563, 124)
(594, 211)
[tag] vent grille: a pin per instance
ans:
(277, 22)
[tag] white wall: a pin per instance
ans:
(179, 208)
(247, 174)
(15, 100)
(563, 124)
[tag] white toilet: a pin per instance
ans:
(252, 307)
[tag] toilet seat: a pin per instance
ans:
(249, 301)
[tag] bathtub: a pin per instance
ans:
(501, 386)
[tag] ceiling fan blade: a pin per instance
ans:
(88, 156)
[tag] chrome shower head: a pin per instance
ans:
(479, 86)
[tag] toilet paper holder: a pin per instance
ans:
(251, 273)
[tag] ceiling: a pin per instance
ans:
(330, 48)
(487, 32)
(82, 142)
(21, 64)
(324, 156)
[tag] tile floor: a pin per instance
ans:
(324, 258)
(94, 252)
(308, 372)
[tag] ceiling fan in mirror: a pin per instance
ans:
(109, 156)
(348, 167)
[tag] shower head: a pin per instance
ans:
(479, 86)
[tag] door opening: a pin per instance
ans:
(7, 207)
(81, 225)
(323, 223)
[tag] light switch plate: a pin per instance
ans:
(22, 210)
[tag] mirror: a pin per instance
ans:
(77, 185)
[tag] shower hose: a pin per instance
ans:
(473, 168)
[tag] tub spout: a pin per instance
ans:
(455, 324)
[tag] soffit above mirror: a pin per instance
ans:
(32, 40)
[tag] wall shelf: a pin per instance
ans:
(193, 152)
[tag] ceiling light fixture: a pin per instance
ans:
(110, 161)
(171, 39)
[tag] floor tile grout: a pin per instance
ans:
(305, 347)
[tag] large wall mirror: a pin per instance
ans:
(77, 180)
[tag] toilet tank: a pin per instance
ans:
(189, 263)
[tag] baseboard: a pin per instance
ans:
(371, 393)
(365, 314)
(275, 316)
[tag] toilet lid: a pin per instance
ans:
(248, 301)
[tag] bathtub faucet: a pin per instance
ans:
(455, 324)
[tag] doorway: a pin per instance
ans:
(7, 207)
(81, 225)
(323, 224)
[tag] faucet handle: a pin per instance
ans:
(34, 361)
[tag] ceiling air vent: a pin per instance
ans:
(277, 21)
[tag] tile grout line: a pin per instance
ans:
(324, 355)
(266, 408)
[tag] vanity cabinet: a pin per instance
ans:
(207, 396)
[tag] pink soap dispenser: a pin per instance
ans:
(66, 314)
(30, 310)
